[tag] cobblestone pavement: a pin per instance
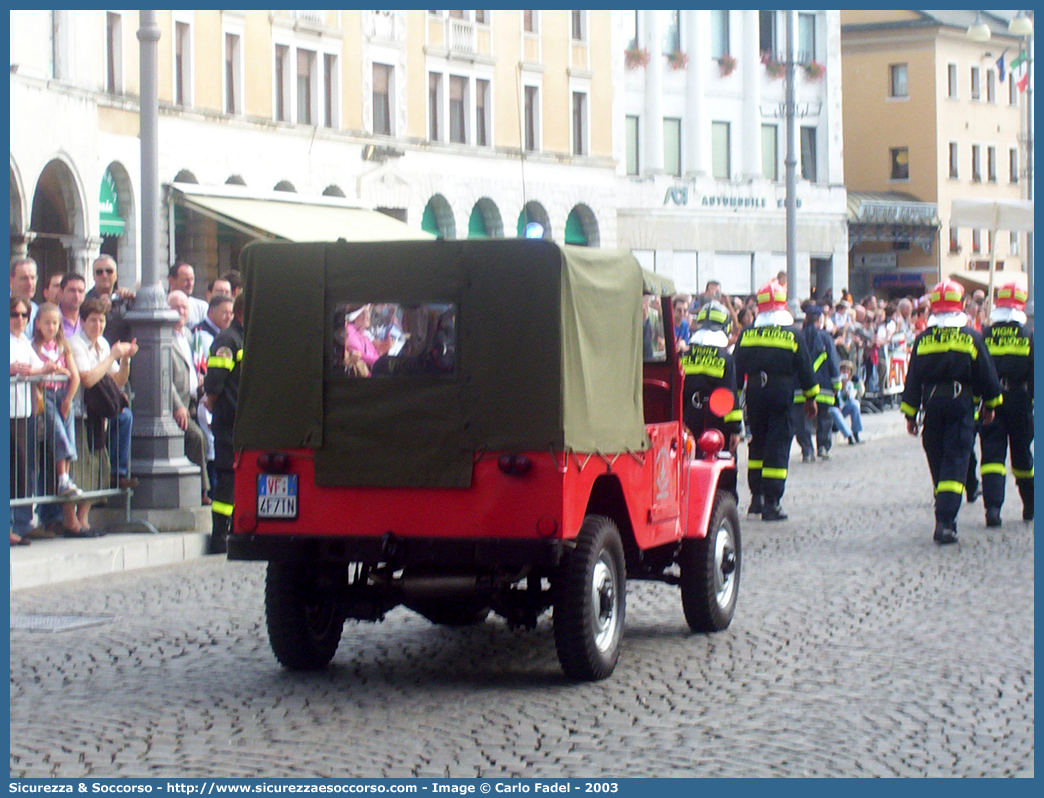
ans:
(859, 648)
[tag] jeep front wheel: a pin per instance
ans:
(710, 569)
(305, 620)
(590, 602)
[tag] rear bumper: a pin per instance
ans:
(401, 552)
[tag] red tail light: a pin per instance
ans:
(273, 462)
(710, 443)
(517, 464)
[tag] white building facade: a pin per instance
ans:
(700, 141)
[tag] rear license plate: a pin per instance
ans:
(277, 496)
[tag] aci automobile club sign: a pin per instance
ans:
(679, 195)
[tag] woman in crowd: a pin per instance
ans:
(94, 359)
(24, 363)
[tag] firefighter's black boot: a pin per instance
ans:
(945, 533)
(219, 534)
(773, 512)
(993, 517)
(757, 504)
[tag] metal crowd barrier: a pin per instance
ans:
(34, 476)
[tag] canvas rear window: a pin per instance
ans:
(393, 339)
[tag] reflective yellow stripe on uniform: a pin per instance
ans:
(714, 368)
(735, 415)
(239, 355)
(994, 468)
(754, 465)
(221, 508)
(773, 473)
(963, 344)
(1020, 347)
(996, 401)
(837, 386)
(1018, 473)
(215, 362)
(775, 342)
(908, 410)
(819, 361)
(812, 392)
(949, 486)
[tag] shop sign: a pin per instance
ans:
(110, 221)
(679, 195)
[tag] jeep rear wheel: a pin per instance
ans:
(590, 602)
(305, 620)
(710, 569)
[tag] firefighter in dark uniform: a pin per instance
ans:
(1011, 347)
(826, 366)
(221, 386)
(771, 356)
(708, 365)
(949, 367)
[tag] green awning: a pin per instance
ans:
(477, 224)
(574, 230)
(110, 223)
(429, 224)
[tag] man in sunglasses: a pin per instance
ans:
(120, 299)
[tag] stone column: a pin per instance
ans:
(697, 120)
(653, 123)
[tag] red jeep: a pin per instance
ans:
(471, 426)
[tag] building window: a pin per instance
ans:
(672, 133)
(113, 53)
(233, 62)
(305, 86)
(1013, 242)
(976, 170)
(434, 105)
(1013, 91)
(951, 81)
(900, 163)
(806, 38)
(579, 29)
(480, 17)
(579, 123)
(721, 156)
(330, 93)
(482, 112)
(976, 240)
(531, 118)
(382, 85)
(529, 21)
(458, 104)
(282, 82)
(631, 155)
(631, 31)
(991, 86)
(955, 241)
(975, 83)
(991, 164)
(953, 160)
(720, 32)
(672, 33)
(808, 154)
(1013, 165)
(897, 85)
(766, 31)
(989, 242)
(769, 149)
(182, 63)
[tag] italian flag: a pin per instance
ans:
(1019, 72)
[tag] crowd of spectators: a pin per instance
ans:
(866, 333)
(100, 346)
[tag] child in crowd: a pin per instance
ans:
(50, 344)
(848, 405)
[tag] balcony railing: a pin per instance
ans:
(462, 35)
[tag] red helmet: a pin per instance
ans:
(772, 296)
(947, 297)
(1012, 295)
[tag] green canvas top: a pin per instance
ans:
(546, 355)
